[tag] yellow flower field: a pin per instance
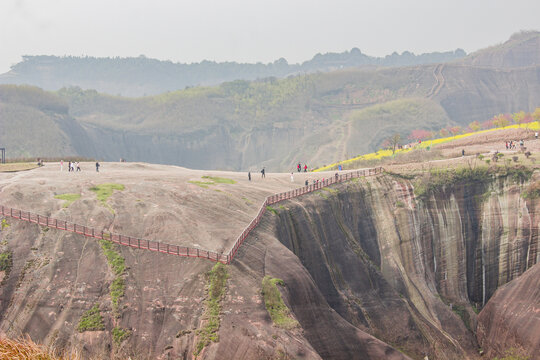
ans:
(386, 153)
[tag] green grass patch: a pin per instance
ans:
(321, 194)
(279, 312)
(513, 354)
(6, 261)
(4, 224)
(116, 290)
(104, 192)
(216, 285)
(460, 311)
(91, 320)
(219, 180)
(213, 181)
(68, 198)
(203, 184)
(120, 334)
(330, 190)
(118, 266)
(115, 260)
(271, 209)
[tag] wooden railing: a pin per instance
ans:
(175, 249)
(116, 238)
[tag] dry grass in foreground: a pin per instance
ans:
(12, 167)
(26, 349)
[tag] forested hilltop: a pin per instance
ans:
(142, 76)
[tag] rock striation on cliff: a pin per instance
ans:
(377, 268)
(412, 273)
(511, 318)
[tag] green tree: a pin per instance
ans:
(519, 117)
(393, 142)
(474, 126)
(500, 120)
(536, 114)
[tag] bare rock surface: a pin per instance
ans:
(370, 272)
(511, 319)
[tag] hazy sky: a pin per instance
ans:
(254, 30)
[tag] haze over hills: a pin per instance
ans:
(522, 49)
(142, 76)
(315, 118)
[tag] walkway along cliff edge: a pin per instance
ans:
(175, 249)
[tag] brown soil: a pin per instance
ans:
(11, 167)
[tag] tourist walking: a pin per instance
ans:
(299, 167)
(305, 168)
(97, 166)
(249, 175)
(263, 175)
(61, 165)
(78, 167)
(536, 135)
(292, 177)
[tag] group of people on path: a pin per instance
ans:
(299, 167)
(512, 144)
(75, 166)
(263, 172)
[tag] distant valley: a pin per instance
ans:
(315, 118)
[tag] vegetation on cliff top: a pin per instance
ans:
(69, 198)
(212, 180)
(278, 311)
(435, 180)
(216, 286)
(104, 191)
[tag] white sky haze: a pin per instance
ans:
(254, 30)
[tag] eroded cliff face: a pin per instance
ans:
(371, 272)
(511, 319)
(410, 272)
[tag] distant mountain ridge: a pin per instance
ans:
(142, 76)
(521, 50)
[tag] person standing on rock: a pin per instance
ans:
(263, 173)
(97, 166)
(249, 175)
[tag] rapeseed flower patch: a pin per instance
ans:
(387, 153)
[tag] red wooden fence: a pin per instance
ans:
(175, 249)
